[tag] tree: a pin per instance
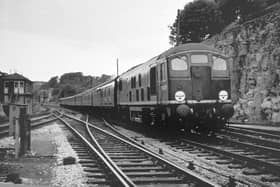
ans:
(198, 21)
(67, 90)
(53, 82)
(240, 10)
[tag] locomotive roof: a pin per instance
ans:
(189, 47)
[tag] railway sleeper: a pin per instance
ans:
(86, 161)
(142, 169)
(150, 173)
(252, 171)
(92, 169)
(90, 165)
(95, 175)
(130, 164)
(155, 180)
(130, 160)
(127, 157)
(97, 181)
(270, 178)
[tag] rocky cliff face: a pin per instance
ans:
(254, 51)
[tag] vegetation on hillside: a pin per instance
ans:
(201, 19)
(72, 83)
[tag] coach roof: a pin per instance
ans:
(189, 47)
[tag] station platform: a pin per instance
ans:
(43, 165)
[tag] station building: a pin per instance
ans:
(16, 89)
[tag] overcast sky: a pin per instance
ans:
(45, 38)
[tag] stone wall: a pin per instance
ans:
(254, 51)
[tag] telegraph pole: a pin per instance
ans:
(117, 67)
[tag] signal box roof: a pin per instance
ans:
(16, 76)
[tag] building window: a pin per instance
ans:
(21, 87)
(16, 87)
(6, 87)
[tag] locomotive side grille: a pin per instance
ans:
(201, 82)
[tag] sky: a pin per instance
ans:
(44, 38)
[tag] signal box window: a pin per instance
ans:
(6, 87)
(219, 64)
(179, 63)
(199, 59)
(21, 87)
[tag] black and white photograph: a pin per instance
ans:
(149, 93)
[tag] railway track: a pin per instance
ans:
(250, 164)
(98, 170)
(252, 137)
(138, 165)
(35, 122)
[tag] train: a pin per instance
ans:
(187, 86)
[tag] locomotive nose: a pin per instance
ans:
(227, 110)
(183, 110)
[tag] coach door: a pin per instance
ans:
(200, 76)
(163, 82)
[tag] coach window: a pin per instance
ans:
(199, 58)
(153, 81)
(142, 94)
(137, 95)
(179, 63)
(130, 97)
(219, 64)
(139, 80)
(148, 94)
(120, 85)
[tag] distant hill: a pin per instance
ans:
(69, 84)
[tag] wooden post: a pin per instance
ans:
(17, 138)
(28, 132)
(23, 130)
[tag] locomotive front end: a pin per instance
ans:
(200, 88)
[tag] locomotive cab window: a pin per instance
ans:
(179, 63)
(199, 59)
(219, 67)
(219, 64)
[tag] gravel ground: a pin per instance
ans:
(43, 165)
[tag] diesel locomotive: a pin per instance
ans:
(188, 85)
